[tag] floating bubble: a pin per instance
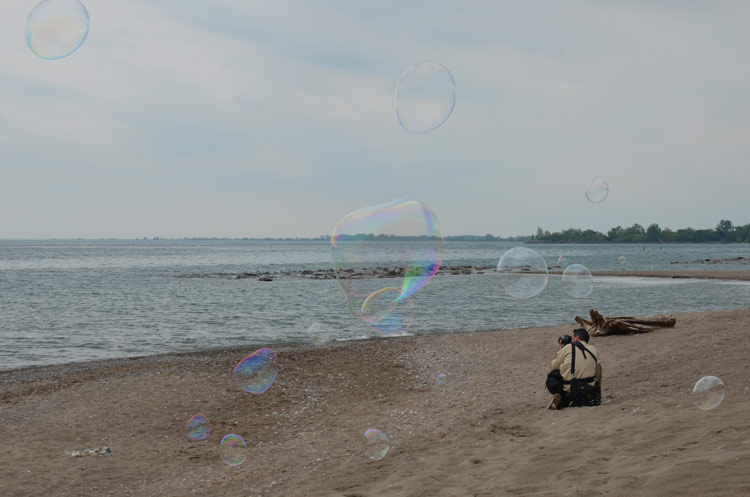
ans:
(577, 281)
(376, 444)
(233, 450)
(441, 379)
(708, 393)
(384, 312)
(621, 259)
(198, 427)
(523, 272)
(319, 333)
(257, 372)
(597, 190)
(425, 97)
(56, 28)
(394, 245)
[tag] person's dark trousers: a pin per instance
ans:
(555, 385)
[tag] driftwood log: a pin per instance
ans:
(601, 326)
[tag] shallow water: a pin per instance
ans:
(75, 300)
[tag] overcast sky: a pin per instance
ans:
(275, 118)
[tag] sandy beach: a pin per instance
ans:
(487, 432)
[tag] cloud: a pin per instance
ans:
(253, 106)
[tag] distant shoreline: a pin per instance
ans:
(451, 238)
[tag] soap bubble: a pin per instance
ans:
(56, 28)
(394, 245)
(233, 450)
(621, 259)
(318, 333)
(577, 281)
(441, 379)
(523, 272)
(376, 444)
(597, 191)
(425, 96)
(708, 393)
(198, 427)
(257, 372)
(384, 312)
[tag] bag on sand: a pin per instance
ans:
(584, 394)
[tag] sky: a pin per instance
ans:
(236, 118)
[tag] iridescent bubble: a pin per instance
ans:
(56, 28)
(394, 245)
(523, 272)
(376, 444)
(441, 379)
(621, 259)
(577, 281)
(597, 190)
(257, 372)
(425, 97)
(198, 427)
(708, 393)
(384, 312)
(233, 450)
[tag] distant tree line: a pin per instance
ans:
(450, 238)
(485, 238)
(724, 232)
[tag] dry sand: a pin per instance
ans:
(485, 433)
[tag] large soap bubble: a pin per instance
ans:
(386, 313)
(376, 444)
(233, 450)
(56, 28)
(523, 272)
(597, 190)
(425, 96)
(198, 427)
(257, 372)
(708, 393)
(577, 281)
(394, 245)
(622, 259)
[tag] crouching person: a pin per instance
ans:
(576, 375)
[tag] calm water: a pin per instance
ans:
(66, 301)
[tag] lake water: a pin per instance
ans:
(74, 300)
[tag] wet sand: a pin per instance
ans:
(485, 433)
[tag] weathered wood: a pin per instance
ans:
(601, 326)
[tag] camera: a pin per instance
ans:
(564, 340)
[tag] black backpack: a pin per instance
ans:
(583, 391)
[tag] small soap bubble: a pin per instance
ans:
(597, 190)
(708, 393)
(425, 97)
(319, 333)
(198, 427)
(376, 444)
(56, 28)
(375, 249)
(441, 379)
(622, 259)
(233, 450)
(385, 313)
(577, 281)
(257, 372)
(523, 272)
